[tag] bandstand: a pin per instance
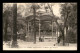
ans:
(43, 18)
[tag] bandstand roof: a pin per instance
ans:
(42, 18)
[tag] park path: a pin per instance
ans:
(23, 45)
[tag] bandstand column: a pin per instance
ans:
(52, 29)
(39, 28)
(28, 28)
(56, 34)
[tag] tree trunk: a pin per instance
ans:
(34, 12)
(14, 42)
(65, 28)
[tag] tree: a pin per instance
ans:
(69, 16)
(5, 19)
(66, 11)
(14, 42)
(34, 7)
(7, 14)
(58, 25)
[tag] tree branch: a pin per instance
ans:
(55, 18)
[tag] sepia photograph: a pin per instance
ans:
(39, 26)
